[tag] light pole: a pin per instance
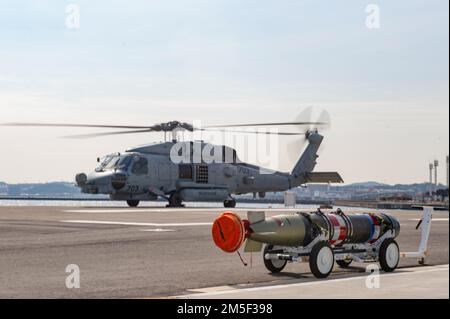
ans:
(436, 164)
(431, 167)
(447, 170)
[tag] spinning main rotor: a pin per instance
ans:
(173, 126)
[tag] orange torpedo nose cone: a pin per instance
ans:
(228, 232)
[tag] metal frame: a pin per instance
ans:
(422, 251)
(357, 252)
(366, 252)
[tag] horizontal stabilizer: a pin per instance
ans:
(324, 177)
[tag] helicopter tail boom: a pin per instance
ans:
(307, 161)
(303, 170)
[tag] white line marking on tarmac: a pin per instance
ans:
(181, 210)
(312, 283)
(157, 230)
(434, 219)
(212, 289)
(135, 224)
(138, 210)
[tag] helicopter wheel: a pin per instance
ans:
(229, 203)
(133, 203)
(175, 200)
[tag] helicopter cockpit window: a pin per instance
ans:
(117, 162)
(124, 162)
(111, 163)
(106, 160)
(140, 166)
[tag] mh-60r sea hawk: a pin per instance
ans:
(148, 172)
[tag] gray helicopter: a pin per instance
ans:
(149, 172)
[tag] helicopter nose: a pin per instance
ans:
(101, 182)
(81, 179)
(94, 183)
(97, 180)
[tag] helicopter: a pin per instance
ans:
(149, 172)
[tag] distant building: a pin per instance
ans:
(397, 198)
(3, 189)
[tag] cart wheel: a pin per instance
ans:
(344, 263)
(274, 266)
(321, 260)
(389, 255)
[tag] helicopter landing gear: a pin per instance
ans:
(175, 200)
(229, 203)
(133, 203)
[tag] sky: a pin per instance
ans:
(384, 85)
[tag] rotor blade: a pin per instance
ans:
(325, 117)
(305, 116)
(322, 123)
(268, 124)
(76, 125)
(251, 132)
(108, 133)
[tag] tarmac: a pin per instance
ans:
(428, 282)
(169, 253)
